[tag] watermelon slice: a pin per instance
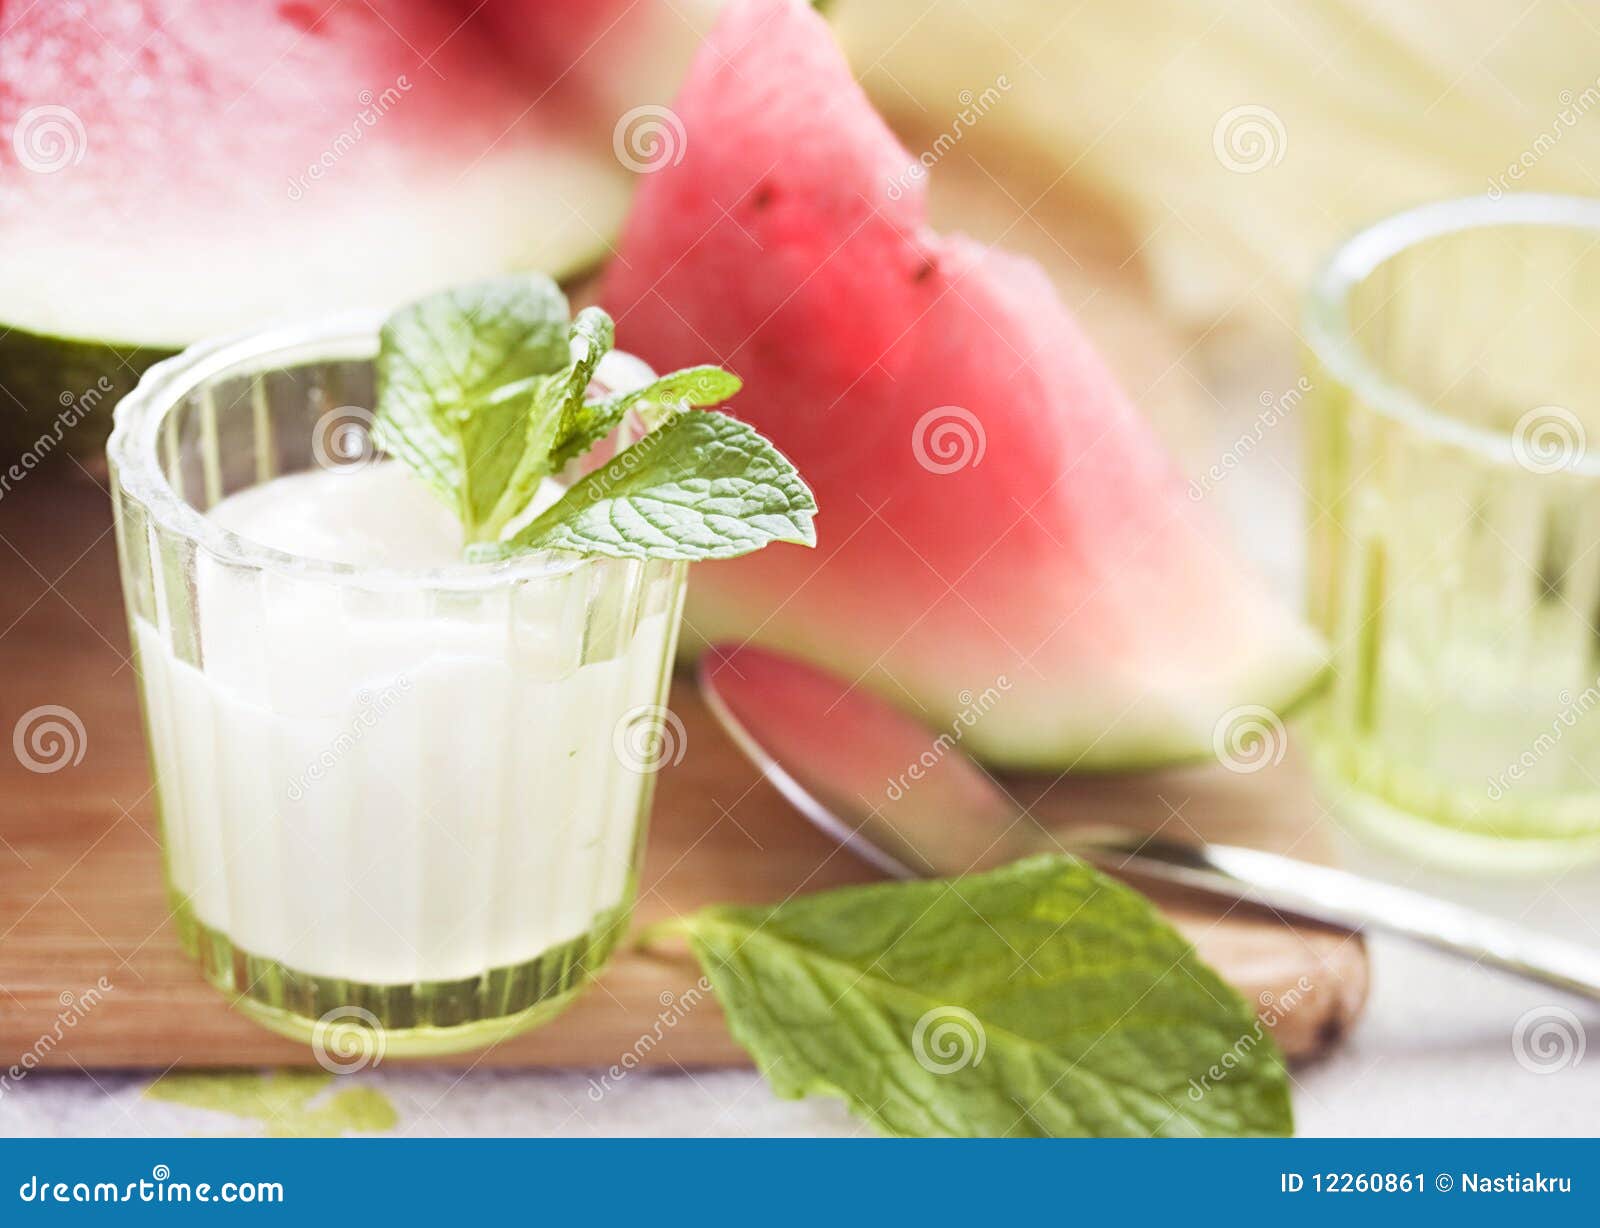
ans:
(174, 169)
(997, 520)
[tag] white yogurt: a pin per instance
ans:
(387, 784)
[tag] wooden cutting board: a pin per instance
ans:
(81, 897)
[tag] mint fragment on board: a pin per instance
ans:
(1042, 999)
(483, 392)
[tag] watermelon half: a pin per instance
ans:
(1005, 547)
(174, 169)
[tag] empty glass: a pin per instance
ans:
(1455, 528)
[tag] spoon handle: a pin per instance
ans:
(1348, 901)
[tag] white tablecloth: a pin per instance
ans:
(1433, 1055)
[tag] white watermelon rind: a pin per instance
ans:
(1190, 744)
(60, 389)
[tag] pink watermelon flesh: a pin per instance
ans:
(1060, 580)
(175, 169)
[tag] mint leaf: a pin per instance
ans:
(504, 439)
(592, 336)
(594, 420)
(554, 401)
(455, 386)
(704, 486)
(1040, 999)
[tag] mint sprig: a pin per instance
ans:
(483, 392)
(1039, 999)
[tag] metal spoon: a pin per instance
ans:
(843, 758)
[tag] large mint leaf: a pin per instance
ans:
(444, 365)
(703, 486)
(1040, 999)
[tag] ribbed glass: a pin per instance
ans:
(406, 802)
(1454, 505)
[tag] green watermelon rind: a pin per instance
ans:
(1157, 755)
(60, 390)
(1302, 689)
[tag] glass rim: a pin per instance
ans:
(1327, 305)
(134, 453)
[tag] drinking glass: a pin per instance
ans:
(401, 810)
(1454, 357)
